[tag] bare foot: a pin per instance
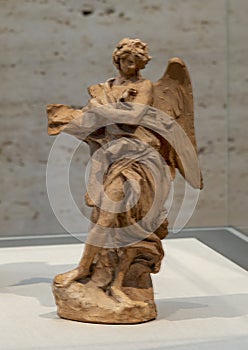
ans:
(120, 296)
(65, 279)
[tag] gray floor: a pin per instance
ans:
(244, 230)
(229, 242)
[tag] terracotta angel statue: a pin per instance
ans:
(139, 133)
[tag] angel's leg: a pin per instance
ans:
(98, 236)
(95, 241)
(116, 291)
(83, 269)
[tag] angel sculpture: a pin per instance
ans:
(134, 124)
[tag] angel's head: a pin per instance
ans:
(130, 55)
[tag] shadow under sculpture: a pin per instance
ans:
(138, 132)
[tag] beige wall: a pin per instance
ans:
(51, 51)
(238, 115)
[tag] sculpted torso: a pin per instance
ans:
(136, 90)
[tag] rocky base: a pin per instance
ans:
(86, 302)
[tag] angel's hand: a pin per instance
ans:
(59, 116)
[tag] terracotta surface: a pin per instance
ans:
(144, 132)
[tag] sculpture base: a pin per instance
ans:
(86, 302)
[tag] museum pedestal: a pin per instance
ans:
(201, 299)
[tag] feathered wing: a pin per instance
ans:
(173, 95)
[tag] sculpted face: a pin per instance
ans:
(128, 66)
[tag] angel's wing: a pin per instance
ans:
(173, 95)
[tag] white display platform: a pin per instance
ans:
(201, 297)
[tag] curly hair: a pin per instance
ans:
(131, 46)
